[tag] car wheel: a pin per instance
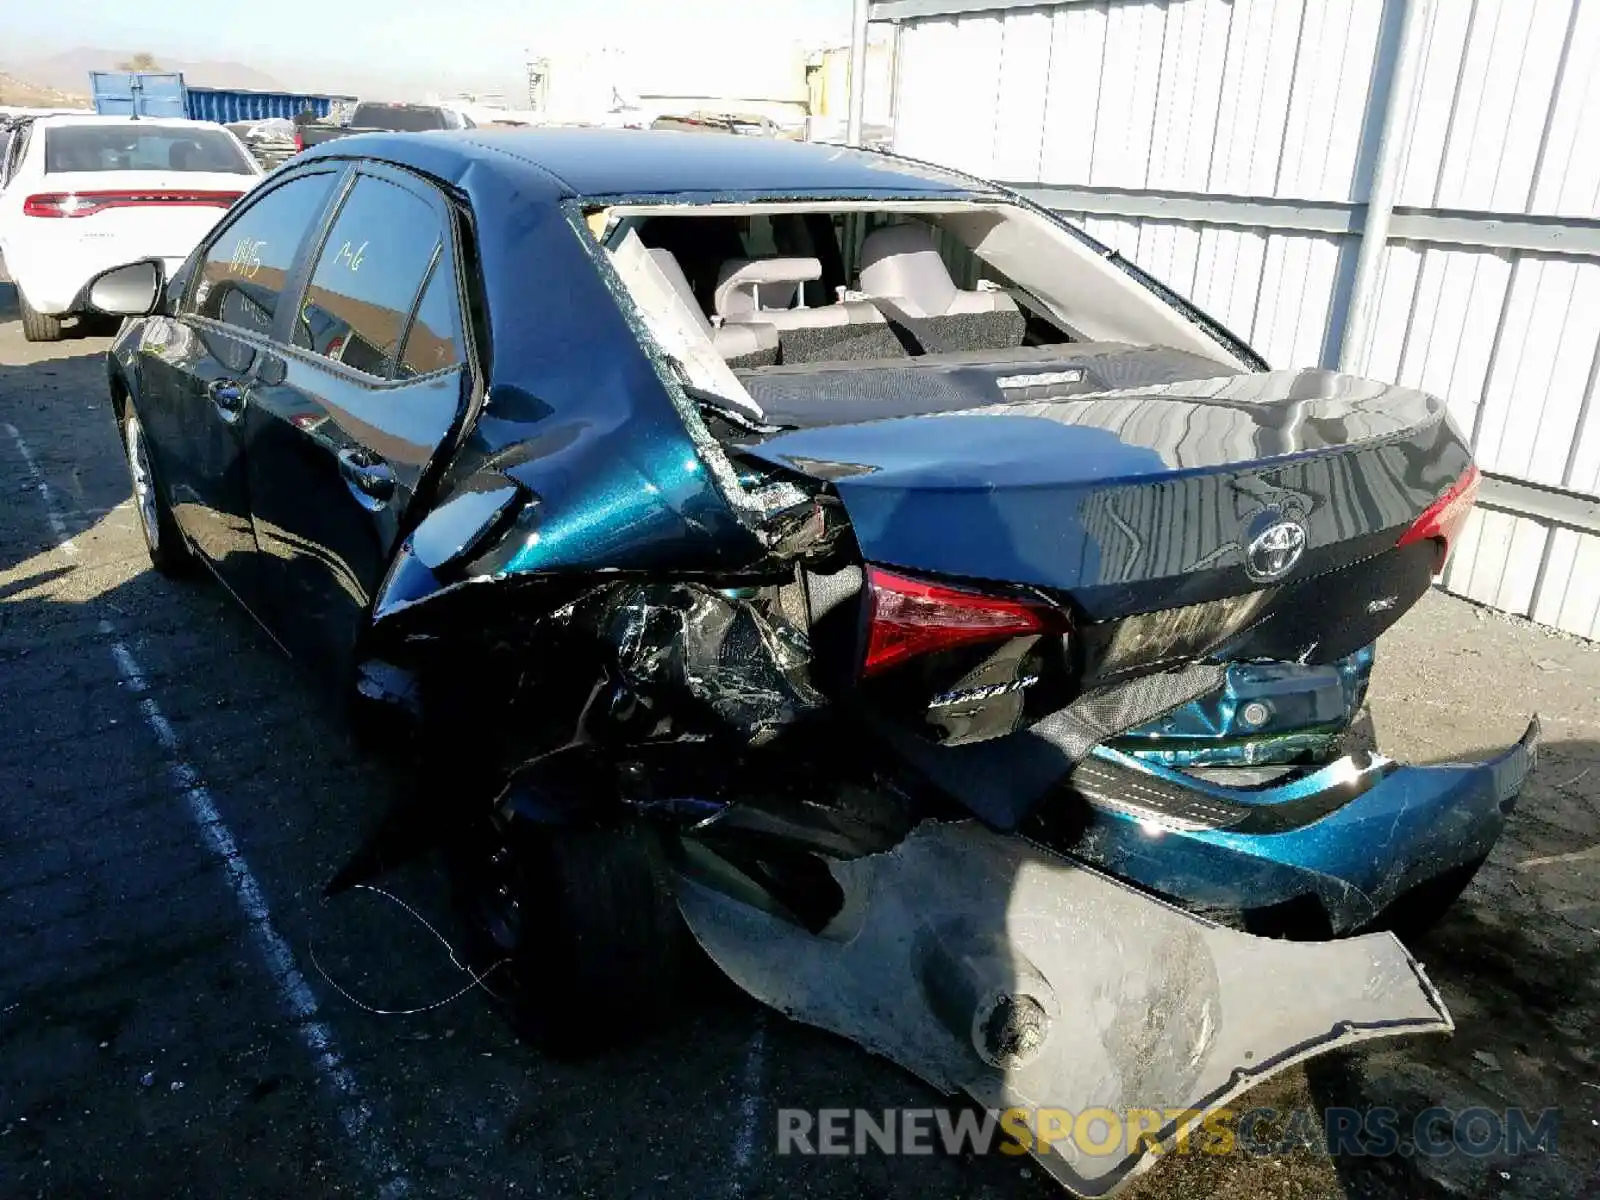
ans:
(37, 326)
(577, 928)
(168, 553)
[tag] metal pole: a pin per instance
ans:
(858, 70)
(1393, 140)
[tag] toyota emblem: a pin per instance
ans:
(1275, 550)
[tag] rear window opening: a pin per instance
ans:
(802, 311)
(132, 147)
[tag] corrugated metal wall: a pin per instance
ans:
(1280, 99)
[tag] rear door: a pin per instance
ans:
(198, 368)
(344, 424)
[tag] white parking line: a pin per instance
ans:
(1546, 860)
(744, 1144)
(58, 524)
(293, 991)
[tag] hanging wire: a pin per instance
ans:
(475, 978)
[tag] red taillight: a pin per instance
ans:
(1442, 519)
(299, 141)
(86, 204)
(910, 618)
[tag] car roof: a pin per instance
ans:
(64, 119)
(615, 163)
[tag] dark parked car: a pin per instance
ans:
(383, 117)
(846, 554)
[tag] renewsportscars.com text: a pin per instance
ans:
(1373, 1132)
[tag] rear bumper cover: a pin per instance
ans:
(1046, 991)
(1013, 967)
(1355, 835)
(55, 279)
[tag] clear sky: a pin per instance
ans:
(447, 45)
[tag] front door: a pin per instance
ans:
(343, 424)
(200, 369)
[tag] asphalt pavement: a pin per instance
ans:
(182, 1014)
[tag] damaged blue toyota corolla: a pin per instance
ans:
(840, 560)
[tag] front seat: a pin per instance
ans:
(903, 273)
(763, 291)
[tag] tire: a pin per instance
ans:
(37, 326)
(592, 950)
(169, 554)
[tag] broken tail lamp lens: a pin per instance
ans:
(86, 204)
(1441, 521)
(912, 617)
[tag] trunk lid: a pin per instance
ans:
(164, 213)
(1131, 499)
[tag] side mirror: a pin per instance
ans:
(132, 290)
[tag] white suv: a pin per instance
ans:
(79, 195)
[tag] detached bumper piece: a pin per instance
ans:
(986, 965)
(1354, 836)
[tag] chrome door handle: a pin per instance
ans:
(229, 397)
(370, 478)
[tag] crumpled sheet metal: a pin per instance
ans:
(747, 667)
(1004, 779)
(986, 965)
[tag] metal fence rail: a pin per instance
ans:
(1568, 237)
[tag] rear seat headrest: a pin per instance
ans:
(902, 262)
(750, 344)
(774, 280)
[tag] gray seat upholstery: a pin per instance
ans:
(903, 273)
(751, 285)
(762, 291)
(742, 345)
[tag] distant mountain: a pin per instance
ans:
(69, 70)
(23, 94)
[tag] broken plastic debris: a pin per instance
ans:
(984, 964)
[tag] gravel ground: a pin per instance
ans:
(158, 1038)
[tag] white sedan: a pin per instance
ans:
(83, 194)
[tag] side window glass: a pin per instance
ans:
(431, 343)
(243, 273)
(367, 277)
